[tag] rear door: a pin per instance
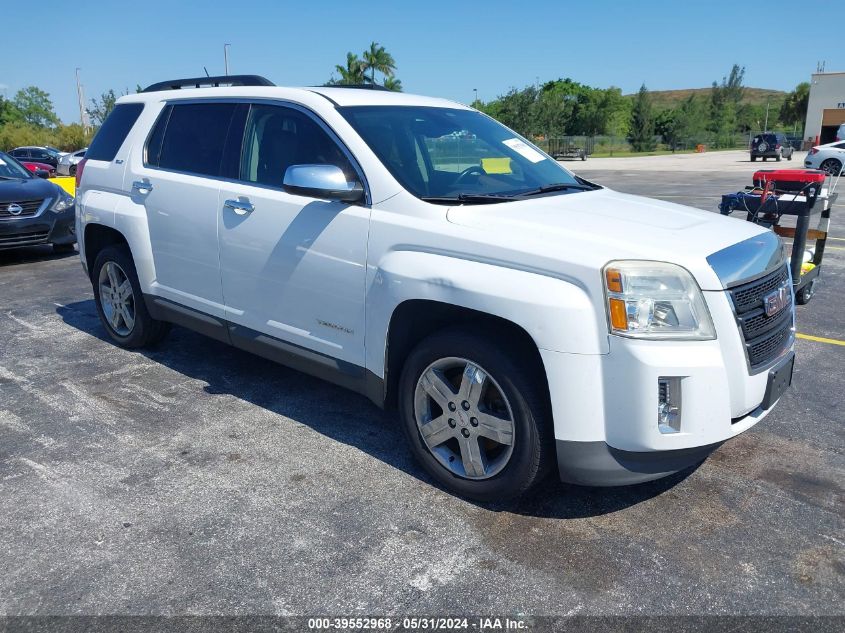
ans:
(293, 267)
(178, 184)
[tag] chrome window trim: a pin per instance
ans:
(356, 165)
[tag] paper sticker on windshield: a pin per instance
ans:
(524, 150)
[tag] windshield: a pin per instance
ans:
(10, 168)
(443, 154)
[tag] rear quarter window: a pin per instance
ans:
(114, 131)
(192, 138)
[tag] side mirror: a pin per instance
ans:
(42, 173)
(321, 181)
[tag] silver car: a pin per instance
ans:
(68, 162)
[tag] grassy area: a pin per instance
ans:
(625, 153)
(664, 99)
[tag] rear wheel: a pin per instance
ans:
(753, 158)
(475, 413)
(831, 166)
(120, 303)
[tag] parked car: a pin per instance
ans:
(840, 133)
(771, 145)
(829, 157)
(518, 320)
(68, 162)
(43, 154)
(32, 210)
(42, 170)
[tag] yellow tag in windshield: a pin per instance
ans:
(496, 165)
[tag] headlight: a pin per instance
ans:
(655, 300)
(65, 201)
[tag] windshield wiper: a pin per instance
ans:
(472, 198)
(561, 186)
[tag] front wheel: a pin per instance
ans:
(475, 412)
(120, 303)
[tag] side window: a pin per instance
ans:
(152, 153)
(38, 154)
(114, 131)
(194, 137)
(277, 137)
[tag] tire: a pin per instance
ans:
(753, 159)
(72, 170)
(831, 166)
(778, 157)
(789, 157)
(513, 401)
(134, 328)
(803, 296)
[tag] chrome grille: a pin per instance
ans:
(30, 208)
(765, 336)
(750, 295)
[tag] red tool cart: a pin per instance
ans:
(799, 193)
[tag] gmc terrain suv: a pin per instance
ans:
(519, 317)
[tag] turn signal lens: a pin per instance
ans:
(618, 316)
(614, 280)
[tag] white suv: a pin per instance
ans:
(417, 251)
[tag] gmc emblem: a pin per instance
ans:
(776, 301)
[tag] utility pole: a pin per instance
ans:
(475, 90)
(84, 121)
(766, 126)
(226, 57)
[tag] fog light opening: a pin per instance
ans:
(669, 404)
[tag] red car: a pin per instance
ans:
(35, 167)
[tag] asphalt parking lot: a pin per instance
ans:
(197, 479)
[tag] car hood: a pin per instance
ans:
(593, 227)
(27, 189)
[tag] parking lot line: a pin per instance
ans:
(821, 339)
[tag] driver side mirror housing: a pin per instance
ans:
(42, 173)
(322, 181)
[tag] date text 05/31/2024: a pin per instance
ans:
(418, 624)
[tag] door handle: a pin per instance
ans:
(240, 207)
(142, 187)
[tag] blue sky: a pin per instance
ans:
(441, 48)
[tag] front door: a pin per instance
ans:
(292, 267)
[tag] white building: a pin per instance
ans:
(826, 107)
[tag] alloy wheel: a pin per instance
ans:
(464, 418)
(117, 298)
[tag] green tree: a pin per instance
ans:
(392, 83)
(725, 107)
(102, 107)
(377, 59)
(641, 132)
(9, 113)
(35, 107)
(793, 111)
(352, 73)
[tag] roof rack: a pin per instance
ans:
(357, 86)
(211, 82)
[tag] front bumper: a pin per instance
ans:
(605, 407)
(46, 228)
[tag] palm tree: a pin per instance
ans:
(392, 83)
(352, 73)
(378, 59)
